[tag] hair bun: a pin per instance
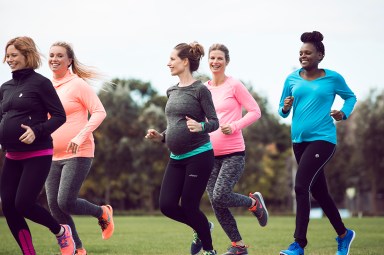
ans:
(314, 36)
(197, 50)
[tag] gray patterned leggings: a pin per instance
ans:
(63, 185)
(226, 173)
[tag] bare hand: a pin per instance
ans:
(29, 136)
(154, 135)
(72, 147)
(288, 101)
(226, 129)
(193, 125)
(337, 115)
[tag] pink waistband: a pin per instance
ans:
(19, 155)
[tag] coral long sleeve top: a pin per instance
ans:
(79, 101)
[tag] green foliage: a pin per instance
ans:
(127, 169)
(358, 161)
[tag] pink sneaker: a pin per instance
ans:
(66, 242)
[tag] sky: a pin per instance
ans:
(133, 38)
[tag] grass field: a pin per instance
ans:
(160, 235)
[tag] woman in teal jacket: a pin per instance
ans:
(309, 93)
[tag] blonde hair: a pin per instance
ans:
(81, 70)
(28, 49)
(222, 48)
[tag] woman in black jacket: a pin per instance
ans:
(30, 112)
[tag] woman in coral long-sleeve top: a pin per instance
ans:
(73, 142)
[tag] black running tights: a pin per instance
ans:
(183, 186)
(311, 158)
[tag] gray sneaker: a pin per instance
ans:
(236, 250)
(259, 209)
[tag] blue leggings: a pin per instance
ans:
(311, 158)
(183, 186)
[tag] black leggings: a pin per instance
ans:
(21, 183)
(185, 181)
(311, 158)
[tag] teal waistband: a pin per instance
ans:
(201, 149)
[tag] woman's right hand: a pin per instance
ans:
(288, 101)
(154, 135)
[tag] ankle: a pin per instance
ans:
(239, 243)
(343, 235)
(61, 232)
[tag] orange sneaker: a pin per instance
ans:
(65, 241)
(81, 251)
(106, 222)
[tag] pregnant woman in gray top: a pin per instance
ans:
(190, 117)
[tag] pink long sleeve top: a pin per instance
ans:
(229, 99)
(79, 101)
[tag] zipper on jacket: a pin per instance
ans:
(17, 83)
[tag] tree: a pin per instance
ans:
(370, 144)
(120, 173)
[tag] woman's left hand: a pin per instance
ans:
(29, 136)
(337, 115)
(193, 125)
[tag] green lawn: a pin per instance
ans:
(159, 235)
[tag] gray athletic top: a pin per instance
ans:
(194, 101)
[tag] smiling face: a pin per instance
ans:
(58, 60)
(217, 62)
(177, 65)
(15, 59)
(309, 56)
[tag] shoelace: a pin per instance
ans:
(195, 238)
(340, 244)
(103, 223)
(259, 213)
(62, 241)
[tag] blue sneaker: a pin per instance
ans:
(196, 244)
(344, 244)
(293, 249)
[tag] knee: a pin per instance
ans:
(65, 205)
(167, 207)
(218, 200)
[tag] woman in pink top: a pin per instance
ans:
(230, 96)
(73, 142)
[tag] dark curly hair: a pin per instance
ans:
(315, 38)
